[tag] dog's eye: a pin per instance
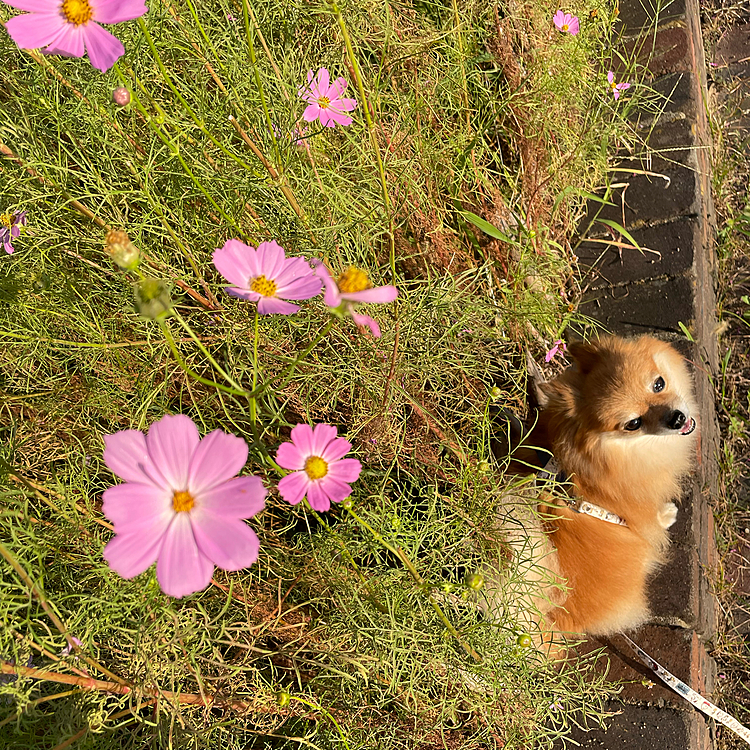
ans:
(659, 385)
(633, 425)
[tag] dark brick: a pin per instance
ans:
(733, 47)
(675, 94)
(670, 50)
(667, 251)
(640, 15)
(647, 728)
(634, 309)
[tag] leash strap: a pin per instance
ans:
(690, 695)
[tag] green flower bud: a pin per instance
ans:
(495, 393)
(483, 467)
(283, 698)
(475, 581)
(347, 503)
(152, 299)
(122, 250)
(524, 640)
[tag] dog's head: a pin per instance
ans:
(625, 388)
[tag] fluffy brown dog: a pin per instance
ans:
(621, 425)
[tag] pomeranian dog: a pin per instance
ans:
(621, 426)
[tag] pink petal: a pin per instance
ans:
(241, 497)
(36, 6)
(34, 30)
(337, 118)
(130, 554)
(117, 11)
(367, 321)
(310, 114)
(236, 263)
(332, 296)
(171, 443)
(104, 48)
(232, 291)
(574, 26)
(344, 105)
(275, 306)
(616, 93)
(623, 86)
(132, 506)
(335, 490)
(182, 568)
(379, 294)
(326, 118)
(345, 470)
(559, 18)
(322, 435)
(337, 88)
(293, 487)
(610, 76)
(302, 437)
(218, 458)
(336, 450)
(271, 258)
(317, 498)
(230, 544)
(289, 456)
(322, 83)
(305, 287)
(126, 455)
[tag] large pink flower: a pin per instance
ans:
(265, 275)
(181, 505)
(615, 87)
(566, 22)
(319, 469)
(71, 27)
(325, 99)
(353, 286)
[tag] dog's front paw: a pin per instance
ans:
(667, 515)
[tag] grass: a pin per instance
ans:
(732, 512)
(355, 628)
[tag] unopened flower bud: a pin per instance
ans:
(495, 393)
(121, 96)
(483, 467)
(347, 503)
(152, 299)
(524, 640)
(122, 250)
(475, 581)
(283, 698)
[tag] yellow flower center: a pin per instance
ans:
(263, 286)
(77, 12)
(316, 467)
(6, 220)
(565, 27)
(353, 280)
(182, 501)
(324, 102)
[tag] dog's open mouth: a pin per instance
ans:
(689, 427)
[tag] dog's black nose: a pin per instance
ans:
(676, 420)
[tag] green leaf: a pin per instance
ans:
(487, 228)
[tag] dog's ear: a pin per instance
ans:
(584, 355)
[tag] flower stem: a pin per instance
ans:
(325, 713)
(253, 403)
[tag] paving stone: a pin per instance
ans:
(647, 728)
(680, 652)
(635, 309)
(732, 54)
(667, 251)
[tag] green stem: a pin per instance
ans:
(206, 353)
(181, 362)
(326, 713)
(253, 403)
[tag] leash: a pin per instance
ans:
(701, 703)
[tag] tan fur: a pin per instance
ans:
(635, 474)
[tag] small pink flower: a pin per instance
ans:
(353, 286)
(616, 87)
(71, 27)
(559, 346)
(266, 276)
(181, 504)
(319, 470)
(10, 227)
(566, 22)
(325, 99)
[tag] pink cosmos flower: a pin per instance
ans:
(181, 505)
(559, 346)
(319, 469)
(616, 87)
(10, 227)
(351, 287)
(71, 27)
(266, 276)
(566, 22)
(325, 100)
